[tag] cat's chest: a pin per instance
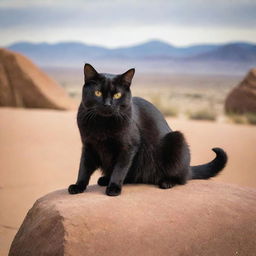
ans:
(107, 150)
(102, 132)
(106, 144)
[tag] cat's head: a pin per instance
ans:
(106, 94)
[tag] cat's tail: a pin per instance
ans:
(211, 169)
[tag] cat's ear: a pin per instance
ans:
(128, 75)
(89, 72)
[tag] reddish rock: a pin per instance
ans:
(242, 98)
(200, 218)
(22, 84)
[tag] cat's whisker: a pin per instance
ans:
(90, 114)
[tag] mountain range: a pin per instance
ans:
(157, 53)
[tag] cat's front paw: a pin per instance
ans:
(103, 181)
(113, 190)
(75, 189)
(166, 184)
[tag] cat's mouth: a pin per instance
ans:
(106, 111)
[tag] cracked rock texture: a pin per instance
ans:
(22, 84)
(200, 218)
(242, 98)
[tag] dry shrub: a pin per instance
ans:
(203, 114)
(251, 118)
(163, 106)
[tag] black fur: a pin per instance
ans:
(130, 141)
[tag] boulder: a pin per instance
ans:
(242, 98)
(22, 84)
(200, 218)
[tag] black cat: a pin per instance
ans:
(129, 140)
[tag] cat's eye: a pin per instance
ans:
(117, 95)
(98, 93)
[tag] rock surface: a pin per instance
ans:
(242, 98)
(200, 218)
(22, 84)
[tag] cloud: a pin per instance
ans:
(118, 13)
(116, 22)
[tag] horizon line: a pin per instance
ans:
(130, 45)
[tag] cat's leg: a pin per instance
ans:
(174, 160)
(87, 166)
(124, 162)
(103, 181)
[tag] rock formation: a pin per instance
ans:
(200, 218)
(242, 98)
(22, 84)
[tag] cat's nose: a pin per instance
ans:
(107, 103)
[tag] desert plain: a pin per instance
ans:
(40, 151)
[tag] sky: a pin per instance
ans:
(115, 23)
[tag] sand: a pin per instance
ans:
(40, 150)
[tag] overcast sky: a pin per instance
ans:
(124, 22)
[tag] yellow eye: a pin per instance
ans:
(98, 93)
(117, 95)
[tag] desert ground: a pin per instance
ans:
(40, 151)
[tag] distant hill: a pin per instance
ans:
(155, 54)
(159, 49)
(64, 54)
(239, 52)
(73, 50)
